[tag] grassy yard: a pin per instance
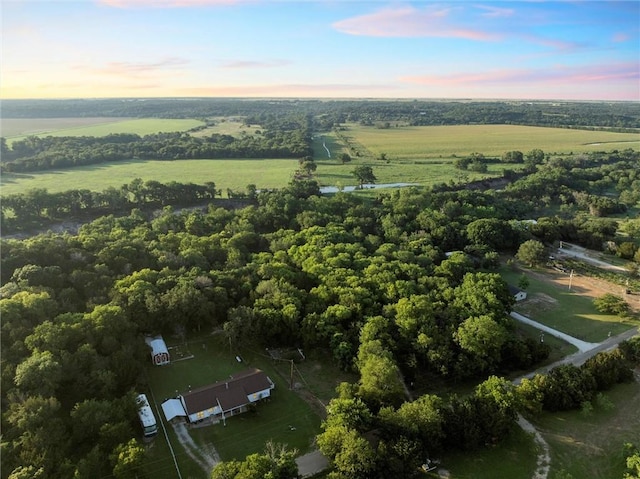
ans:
(514, 458)
(286, 418)
(591, 445)
(82, 127)
(566, 311)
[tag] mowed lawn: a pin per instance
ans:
(565, 310)
(513, 458)
(285, 418)
(591, 445)
(421, 142)
(95, 127)
(235, 174)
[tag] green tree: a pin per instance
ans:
(380, 381)
(364, 174)
(532, 252)
(128, 460)
(344, 158)
(611, 304)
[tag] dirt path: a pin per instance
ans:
(207, 460)
(543, 462)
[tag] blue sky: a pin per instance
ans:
(580, 50)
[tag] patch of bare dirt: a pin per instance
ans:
(206, 457)
(586, 286)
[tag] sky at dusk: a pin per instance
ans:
(576, 50)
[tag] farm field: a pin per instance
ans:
(592, 445)
(94, 126)
(13, 127)
(224, 126)
(286, 418)
(422, 142)
(235, 174)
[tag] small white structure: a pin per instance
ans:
(517, 293)
(159, 351)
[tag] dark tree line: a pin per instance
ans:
(40, 153)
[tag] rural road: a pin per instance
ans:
(543, 461)
(581, 253)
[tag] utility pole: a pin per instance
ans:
(570, 279)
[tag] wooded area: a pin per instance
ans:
(399, 288)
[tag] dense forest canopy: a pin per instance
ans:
(400, 288)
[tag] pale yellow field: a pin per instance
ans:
(491, 140)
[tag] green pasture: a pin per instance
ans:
(286, 418)
(331, 172)
(592, 445)
(513, 458)
(231, 127)
(566, 311)
(422, 142)
(234, 174)
(13, 127)
(140, 126)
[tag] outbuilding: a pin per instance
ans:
(517, 293)
(159, 352)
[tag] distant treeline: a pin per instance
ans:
(36, 153)
(328, 113)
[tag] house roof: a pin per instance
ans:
(156, 344)
(230, 393)
(173, 408)
(513, 290)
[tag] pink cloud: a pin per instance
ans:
(408, 21)
(251, 64)
(287, 90)
(551, 76)
(621, 37)
(171, 3)
(137, 68)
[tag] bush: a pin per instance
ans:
(611, 304)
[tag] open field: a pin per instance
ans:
(286, 418)
(234, 174)
(550, 302)
(421, 142)
(425, 173)
(591, 445)
(94, 126)
(224, 126)
(14, 127)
